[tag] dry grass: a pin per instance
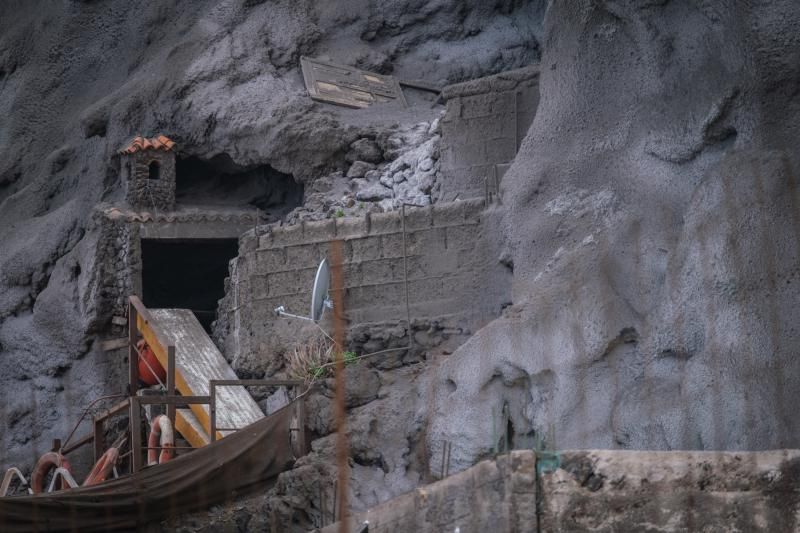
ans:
(307, 360)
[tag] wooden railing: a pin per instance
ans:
(142, 326)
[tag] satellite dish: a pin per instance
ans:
(319, 295)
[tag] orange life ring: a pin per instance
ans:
(103, 468)
(46, 463)
(161, 434)
(150, 370)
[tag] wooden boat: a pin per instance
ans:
(246, 461)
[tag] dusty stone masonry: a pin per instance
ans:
(483, 126)
(455, 281)
(140, 190)
(491, 496)
(603, 491)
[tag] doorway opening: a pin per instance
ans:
(186, 274)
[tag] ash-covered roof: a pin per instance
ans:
(142, 143)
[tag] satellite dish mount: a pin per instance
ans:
(319, 295)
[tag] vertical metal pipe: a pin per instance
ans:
(342, 452)
(133, 355)
(212, 411)
(136, 435)
(405, 279)
(171, 382)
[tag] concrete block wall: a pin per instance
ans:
(497, 496)
(454, 277)
(484, 124)
(605, 491)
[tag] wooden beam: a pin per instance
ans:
(114, 344)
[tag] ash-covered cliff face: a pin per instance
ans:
(78, 78)
(652, 220)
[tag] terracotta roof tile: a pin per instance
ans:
(141, 143)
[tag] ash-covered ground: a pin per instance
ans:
(651, 214)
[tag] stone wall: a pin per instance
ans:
(483, 126)
(492, 496)
(603, 491)
(142, 192)
(455, 282)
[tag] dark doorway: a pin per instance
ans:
(186, 274)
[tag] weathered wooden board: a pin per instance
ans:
(197, 361)
(348, 86)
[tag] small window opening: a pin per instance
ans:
(154, 171)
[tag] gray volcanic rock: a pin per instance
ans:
(652, 220)
(77, 79)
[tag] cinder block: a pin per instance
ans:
(502, 150)
(265, 240)
(351, 272)
(425, 242)
(388, 222)
(306, 255)
(448, 214)
(287, 235)
(473, 210)
(479, 105)
(368, 248)
(259, 287)
(350, 227)
(418, 218)
(270, 261)
(377, 272)
(319, 230)
(392, 245)
(426, 289)
(453, 110)
(291, 282)
(438, 264)
(463, 237)
(471, 154)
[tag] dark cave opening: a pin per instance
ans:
(186, 274)
(221, 182)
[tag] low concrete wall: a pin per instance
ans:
(491, 497)
(455, 281)
(632, 491)
(483, 126)
(604, 491)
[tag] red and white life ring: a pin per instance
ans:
(46, 463)
(103, 468)
(161, 434)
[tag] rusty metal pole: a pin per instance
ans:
(342, 452)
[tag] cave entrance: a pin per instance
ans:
(186, 274)
(221, 182)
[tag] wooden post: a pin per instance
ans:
(212, 411)
(339, 338)
(171, 382)
(133, 355)
(136, 435)
(301, 428)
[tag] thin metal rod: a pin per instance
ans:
(212, 412)
(85, 412)
(405, 278)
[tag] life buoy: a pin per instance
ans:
(150, 370)
(46, 463)
(161, 434)
(102, 468)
